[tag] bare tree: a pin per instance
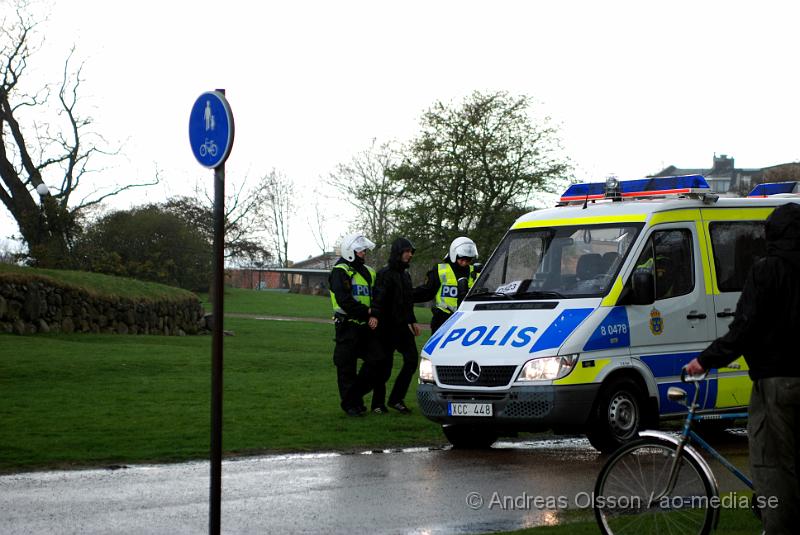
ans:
(787, 172)
(364, 184)
(9, 251)
(246, 219)
(278, 191)
(58, 149)
(318, 222)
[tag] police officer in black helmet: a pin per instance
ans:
(393, 304)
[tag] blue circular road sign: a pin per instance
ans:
(211, 129)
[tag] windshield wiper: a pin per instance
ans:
(539, 294)
(485, 292)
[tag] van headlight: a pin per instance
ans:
(547, 368)
(425, 370)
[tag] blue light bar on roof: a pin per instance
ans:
(656, 186)
(773, 188)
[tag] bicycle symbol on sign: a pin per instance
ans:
(209, 147)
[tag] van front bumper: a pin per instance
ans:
(518, 408)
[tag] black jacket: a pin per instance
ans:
(342, 287)
(393, 302)
(767, 320)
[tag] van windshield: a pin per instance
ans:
(556, 262)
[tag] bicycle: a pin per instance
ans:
(209, 147)
(660, 483)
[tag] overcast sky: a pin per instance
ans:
(634, 86)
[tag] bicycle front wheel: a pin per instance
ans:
(626, 495)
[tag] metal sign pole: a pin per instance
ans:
(211, 132)
(216, 349)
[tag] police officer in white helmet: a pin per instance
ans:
(351, 284)
(448, 282)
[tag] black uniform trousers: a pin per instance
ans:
(396, 338)
(354, 342)
(438, 318)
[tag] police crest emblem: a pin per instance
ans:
(656, 322)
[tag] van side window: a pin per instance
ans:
(668, 253)
(736, 245)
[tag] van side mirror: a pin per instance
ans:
(643, 286)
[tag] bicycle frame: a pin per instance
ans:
(695, 438)
(688, 436)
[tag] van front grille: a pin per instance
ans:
(490, 375)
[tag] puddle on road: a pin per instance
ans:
(559, 444)
(556, 445)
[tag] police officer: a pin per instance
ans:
(663, 274)
(449, 281)
(351, 282)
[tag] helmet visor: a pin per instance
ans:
(362, 244)
(466, 250)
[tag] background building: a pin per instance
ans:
(307, 276)
(723, 176)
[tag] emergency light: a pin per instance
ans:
(774, 188)
(645, 187)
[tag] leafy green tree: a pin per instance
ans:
(149, 243)
(473, 169)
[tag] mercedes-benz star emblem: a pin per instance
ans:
(472, 371)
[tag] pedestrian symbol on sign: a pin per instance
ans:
(210, 123)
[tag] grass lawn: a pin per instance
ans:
(273, 303)
(95, 283)
(103, 399)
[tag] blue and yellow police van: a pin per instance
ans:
(585, 313)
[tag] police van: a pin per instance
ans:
(585, 313)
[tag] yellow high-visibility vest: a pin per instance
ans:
(447, 296)
(362, 289)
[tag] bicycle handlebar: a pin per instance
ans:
(686, 378)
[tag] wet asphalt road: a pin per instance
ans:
(409, 491)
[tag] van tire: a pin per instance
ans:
(465, 437)
(617, 416)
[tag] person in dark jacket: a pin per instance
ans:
(448, 282)
(351, 282)
(764, 330)
(394, 306)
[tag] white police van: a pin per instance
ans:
(585, 313)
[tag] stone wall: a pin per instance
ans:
(34, 307)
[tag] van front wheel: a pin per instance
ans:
(466, 437)
(617, 415)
